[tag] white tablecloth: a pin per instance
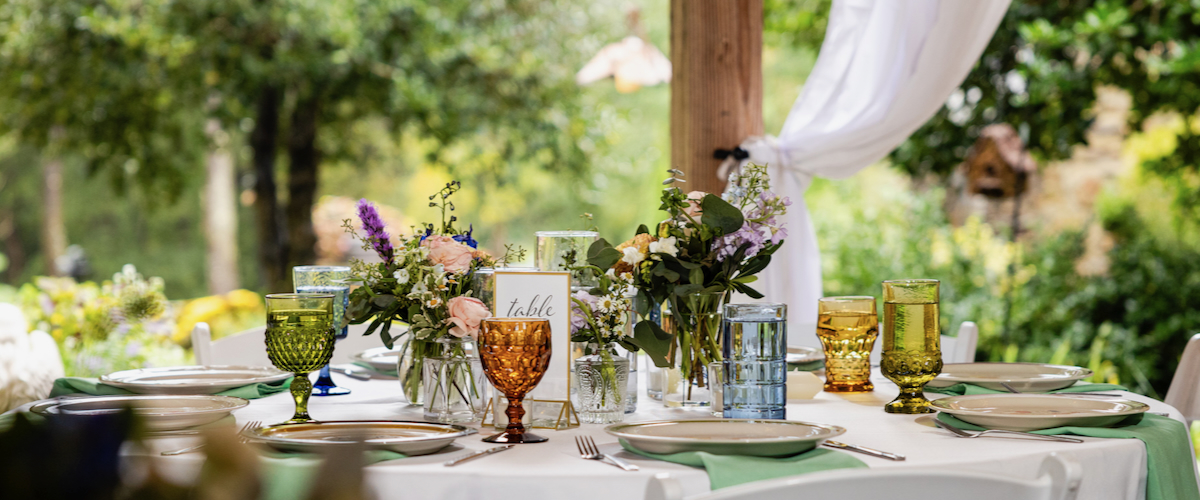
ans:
(1113, 468)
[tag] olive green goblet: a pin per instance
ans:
(300, 338)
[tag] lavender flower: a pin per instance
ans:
(380, 240)
(578, 320)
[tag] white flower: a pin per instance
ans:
(611, 273)
(401, 276)
(605, 304)
(434, 302)
(420, 288)
(627, 276)
(665, 245)
(439, 269)
(633, 256)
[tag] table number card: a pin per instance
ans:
(547, 295)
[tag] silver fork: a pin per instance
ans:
(964, 434)
(1014, 391)
(588, 450)
(241, 437)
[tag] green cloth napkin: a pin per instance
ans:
(1170, 466)
(732, 470)
(288, 476)
(92, 386)
(810, 366)
(971, 389)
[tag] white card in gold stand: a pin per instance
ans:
(541, 294)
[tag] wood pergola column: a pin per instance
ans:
(716, 83)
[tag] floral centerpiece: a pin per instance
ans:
(709, 246)
(423, 281)
(600, 319)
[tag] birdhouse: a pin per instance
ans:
(998, 165)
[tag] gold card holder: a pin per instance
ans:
(563, 421)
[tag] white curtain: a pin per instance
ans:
(885, 67)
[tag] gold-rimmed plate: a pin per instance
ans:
(1031, 412)
(409, 438)
(748, 437)
(380, 359)
(1024, 377)
(797, 355)
(191, 379)
(159, 412)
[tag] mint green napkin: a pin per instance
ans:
(1170, 465)
(810, 366)
(92, 386)
(732, 470)
(288, 476)
(971, 389)
(390, 373)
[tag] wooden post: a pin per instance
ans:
(716, 86)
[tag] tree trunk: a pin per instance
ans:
(303, 159)
(716, 86)
(54, 230)
(272, 241)
(220, 213)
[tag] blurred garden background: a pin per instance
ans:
(212, 144)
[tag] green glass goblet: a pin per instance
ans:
(300, 338)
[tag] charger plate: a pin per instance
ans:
(1024, 377)
(158, 412)
(191, 379)
(802, 354)
(409, 438)
(748, 437)
(1031, 412)
(380, 359)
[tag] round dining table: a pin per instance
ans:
(1112, 468)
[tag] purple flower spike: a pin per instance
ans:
(381, 241)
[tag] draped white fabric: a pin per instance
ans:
(885, 67)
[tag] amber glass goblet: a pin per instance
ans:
(515, 353)
(912, 342)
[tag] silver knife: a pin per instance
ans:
(477, 454)
(864, 450)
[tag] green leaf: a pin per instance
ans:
(719, 213)
(754, 265)
(696, 276)
(386, 336)
(384, 301)
(602, 255)
(642, 229)
(657, 343)
(685, 290)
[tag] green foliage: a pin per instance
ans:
(1129, 326)
(1041, 69)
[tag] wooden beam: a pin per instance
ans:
(716, 86)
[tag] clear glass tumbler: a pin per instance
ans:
(332, 280)
(754, 352)
(562, 250)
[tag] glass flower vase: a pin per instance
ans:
(455, 388)
(601, 378)
(695, 322)
(409, 368)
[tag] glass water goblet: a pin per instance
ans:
(912, 344)
(332, 280)
(515, 353)
(300, 336)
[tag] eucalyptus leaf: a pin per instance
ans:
(719, 213)
(657, 343)
(602, 254)
(384, 301)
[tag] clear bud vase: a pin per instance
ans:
(455, 388)
(601, 376)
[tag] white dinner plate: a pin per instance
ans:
(160, 412)
(1031, 412)
(380, 359)
(409, 438)
(191, 379)
(1024, 377)
(757, 438)
(800, 354)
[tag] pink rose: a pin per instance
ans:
(454, 256)
(465, 315)
(693, 208)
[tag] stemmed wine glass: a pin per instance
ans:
(515, 353)
(300, 337)
(327, 279)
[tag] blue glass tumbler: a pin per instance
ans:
(332, 280)
(754, 353)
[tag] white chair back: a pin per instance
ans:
(958, 349)
(249, 348)
(1058, 479)
(1184, 392)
